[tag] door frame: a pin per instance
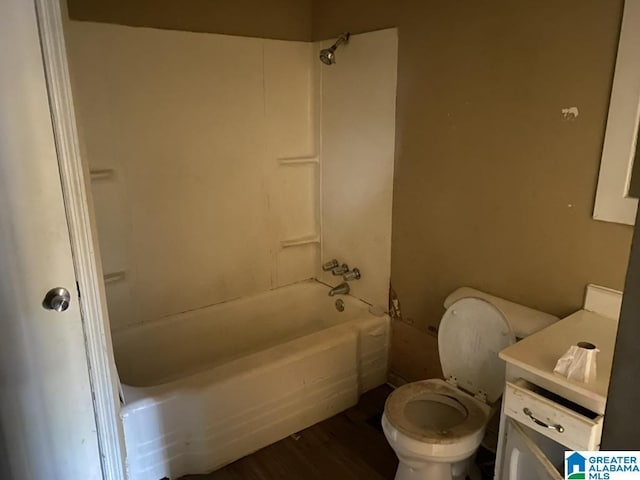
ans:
(103, 376)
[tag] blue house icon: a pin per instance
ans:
(577, 463)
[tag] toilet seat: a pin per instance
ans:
(470, 423)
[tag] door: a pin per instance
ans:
(47, 421)
(523, 457)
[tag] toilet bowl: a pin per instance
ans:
(435, 426)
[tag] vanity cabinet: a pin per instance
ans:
(544, 414)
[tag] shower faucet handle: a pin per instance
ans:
(330, 265)
(352, 275)
(341, 270)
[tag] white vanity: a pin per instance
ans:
(543, 413)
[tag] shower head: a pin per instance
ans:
(328, 55)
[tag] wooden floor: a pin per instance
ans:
(349, 446)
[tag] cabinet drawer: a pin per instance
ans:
(553, 416)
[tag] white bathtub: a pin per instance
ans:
(207, 387)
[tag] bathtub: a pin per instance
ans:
(204, 388)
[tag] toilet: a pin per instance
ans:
(435, 426)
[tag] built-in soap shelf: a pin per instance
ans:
(298, 160)
(102, 174)
(114, 277)
(296, 242)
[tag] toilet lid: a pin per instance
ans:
(471, 334)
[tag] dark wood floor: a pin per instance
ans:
(349, 446)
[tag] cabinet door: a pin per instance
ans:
(523, 459)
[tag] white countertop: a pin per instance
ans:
(539, 352)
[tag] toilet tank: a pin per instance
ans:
(523, 320)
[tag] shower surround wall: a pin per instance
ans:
(223, 167)
(188, 137)
(207, 153)
(357, 116)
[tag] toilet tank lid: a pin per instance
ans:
(523, 320)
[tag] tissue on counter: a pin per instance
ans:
(578, 363)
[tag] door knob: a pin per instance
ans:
(57, 299)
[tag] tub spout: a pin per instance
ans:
(342, 289)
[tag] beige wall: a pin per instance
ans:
(281, 19)
(492, 188)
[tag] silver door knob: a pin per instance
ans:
(57, 299)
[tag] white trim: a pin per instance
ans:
(612, 201)
(603, 301)
(102, 373)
